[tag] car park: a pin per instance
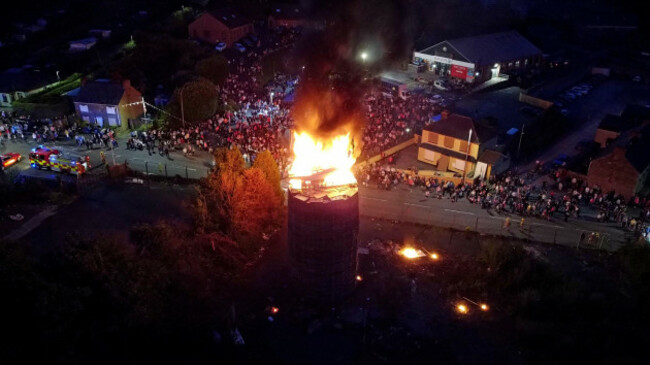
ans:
(220, 46)
(239, 47)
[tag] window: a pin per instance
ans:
(110, 109)
(432, 138)
(83, 108)
(458, 164)
(429, 155)
(463, 146)
(86, 118)
(112, 121)
(449, 142)
(99, 120)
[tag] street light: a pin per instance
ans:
(182, 111)
(271, 96)
(364, 55)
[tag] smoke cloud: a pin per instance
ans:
(333, 82)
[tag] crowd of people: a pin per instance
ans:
(392, 120)
(557, 196)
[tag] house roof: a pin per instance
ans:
(229, 17)
(632, 117)
(638, 150)
(611, 123)
(458, 126)
(447, 152)
(101, 92)
(490, 157)
(491, 48)
(287, 11)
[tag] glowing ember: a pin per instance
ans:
(411, 253)
(334, 158)
(434, 256)
(484, 307)
(462, 308)
(275, 310)
(359, 278)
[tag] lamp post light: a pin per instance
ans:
(182, 110)
(364, 55)
(271, 97)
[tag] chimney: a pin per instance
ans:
(126, 84)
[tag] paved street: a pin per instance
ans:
(410, 205)
(402, 204)
(194, 167)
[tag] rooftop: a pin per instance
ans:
(229, 17)
(491, 48)
(101, 92)
(458, 126)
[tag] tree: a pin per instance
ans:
(200, 100)
(265, 162)
(255, 205)
(213, 68)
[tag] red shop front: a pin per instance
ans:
(459, 72)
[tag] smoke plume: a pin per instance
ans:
(334, 77)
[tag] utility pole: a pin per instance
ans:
(182, 111)
(469, 143)
(521, 136)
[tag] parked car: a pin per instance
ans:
(239, 47)
(248, 42)
(9, 159)
(220, 46)
(441, 84)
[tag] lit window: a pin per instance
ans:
(83, 108)
(110, 110)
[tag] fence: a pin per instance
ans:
(159, 171)
(533, 229)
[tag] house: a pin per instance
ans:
(611, 127)
(624, 166)
(287, 15)
(20, 82)
(108, 103)
(82, 44)
(445, 145)
(479, 58)
(223, 25)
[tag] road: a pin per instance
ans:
(410, 205)
(400, 204)
(193, 167)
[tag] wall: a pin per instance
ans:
(388, 152)
(614, 172)
(531, 100)
(217, 31)
(131, 95)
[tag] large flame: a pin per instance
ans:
(313, 155)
